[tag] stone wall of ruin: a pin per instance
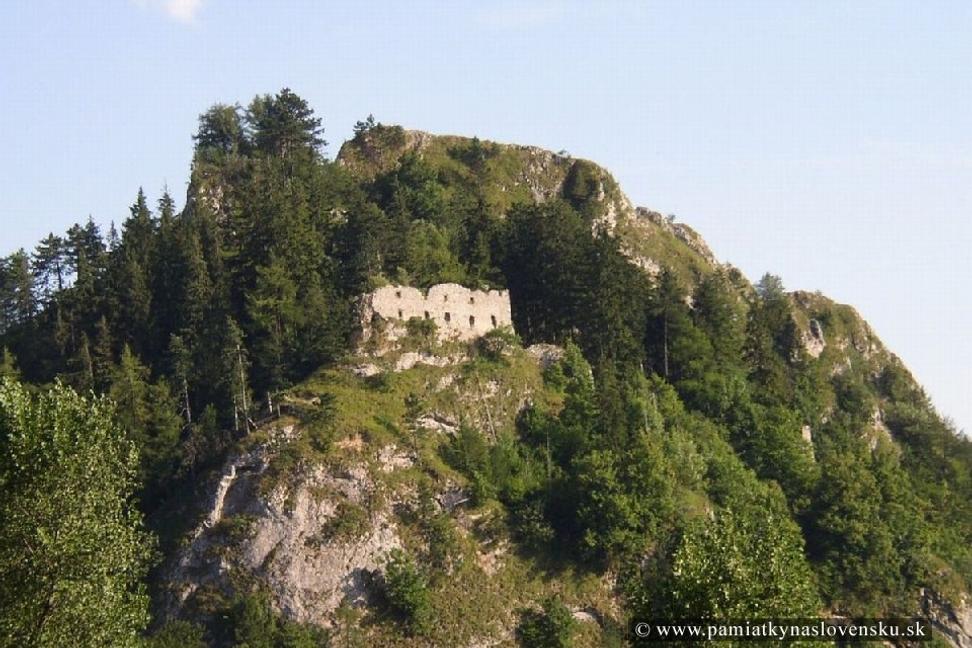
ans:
(458, 312)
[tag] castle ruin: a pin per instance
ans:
(458, 312)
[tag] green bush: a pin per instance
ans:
(421, 330)
(177, 634)
(407, 592)
(551, 628)
(494, 344)
(350, 521)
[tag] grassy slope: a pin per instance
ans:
(480, 599)
(512, 174)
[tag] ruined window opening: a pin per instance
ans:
(472, 300)
(398, 293)
(448, 317)
(472, 321)
(426, 314)
(400, 313)
(493, 320)
(445, 298)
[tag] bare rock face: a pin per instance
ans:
(546, 354)
(296, 538)
(813, 339)
(954, 622)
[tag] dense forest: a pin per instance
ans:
(675, 460)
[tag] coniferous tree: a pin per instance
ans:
(21, 304)
(166, 271)
(180, 358)
(148, 413)
(85, 240)
(81, 367)
(274, 309)
(235, 366)
(7, 314)
(220, 131)
(283, 123)
(49, 270)
(102, 357)
(772, 340)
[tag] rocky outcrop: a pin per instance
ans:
(312, 540)
(546, 354)
(813, 339)
(954, 622)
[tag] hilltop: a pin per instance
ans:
(655, 435)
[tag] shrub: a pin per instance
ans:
(350, 521)
(551, 628)
(530, 523)
(421, 329)
(177, 634)
(407, 592)
(497, 342)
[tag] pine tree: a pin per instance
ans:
(166, 272)
(82, 367)
(7, 292)
(49, 268)
(181, 362)
(284, 123)
(84, 241)
(148, 413)
(718, 312)
(275, 312)
(220, 131)
(669, 319)
(235, 366)
(134, 299)
(197, 288)
(102, 357)
(21, 299)
(139, 229)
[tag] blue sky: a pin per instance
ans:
(827, 142)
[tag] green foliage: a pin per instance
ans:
(407, 592)
(220, 131)
(8, 366)
(178, 634)
(72, 548)
(869, 535)
(566, 282)
(438, 530)
(149, 414)
(421, 329)
(681, 395)
(581, 185)
(741, 566)
(497, 342)
(776, 450)
(553, 627)
(283, 124)
(474, 154)
(349, 521)
(252, 623)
